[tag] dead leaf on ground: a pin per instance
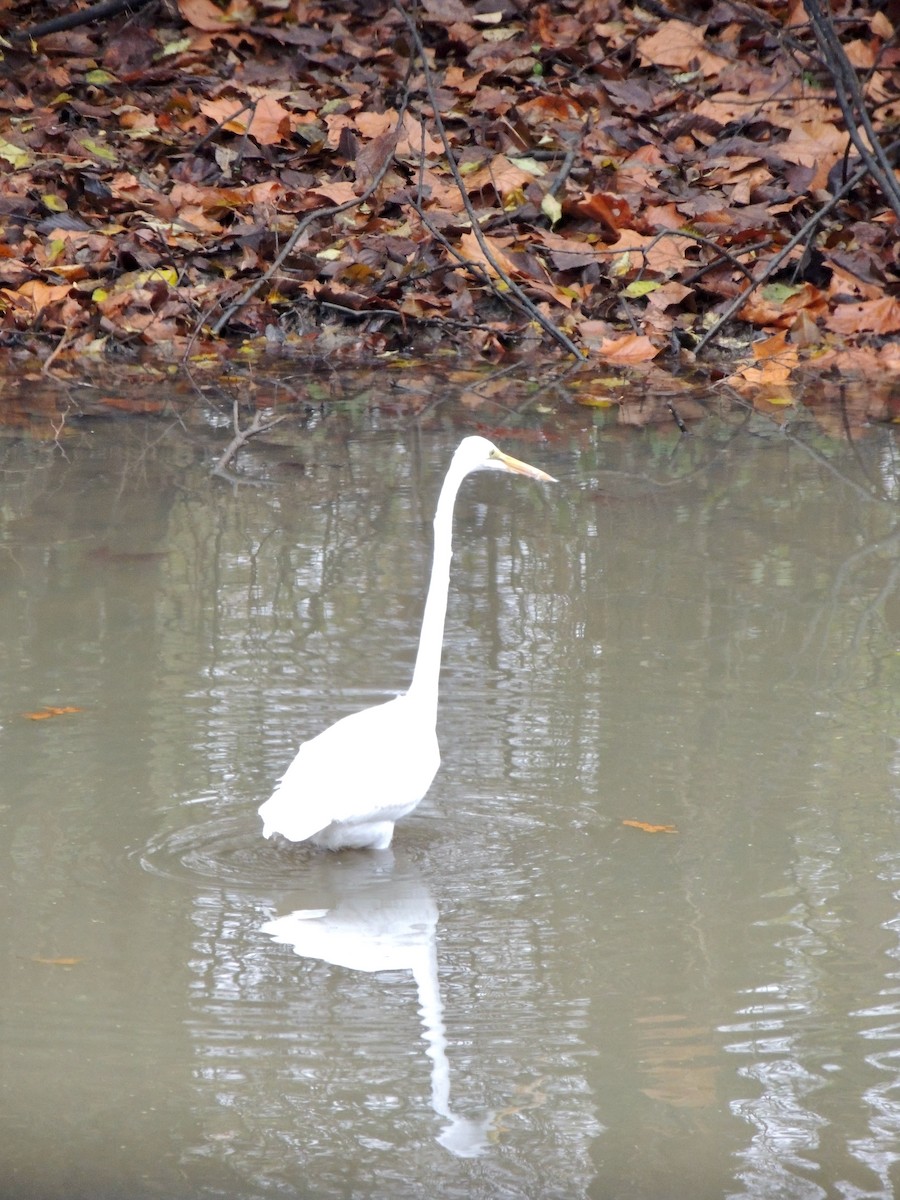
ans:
(630, 348)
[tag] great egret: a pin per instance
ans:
(347, 786)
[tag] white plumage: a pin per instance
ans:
(347, 787)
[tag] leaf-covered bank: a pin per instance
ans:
(636, 185)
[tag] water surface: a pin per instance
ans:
(528, 996)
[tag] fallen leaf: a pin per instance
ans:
(630, 348)
(682, 45)
(205, 15)
(44, 714)
(55, 962)
(471, 248)
(647, 828)
(872, 316)
(267, 121)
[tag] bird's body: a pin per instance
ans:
(346, 787)
(337, 797)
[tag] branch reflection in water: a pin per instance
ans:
(389, 923)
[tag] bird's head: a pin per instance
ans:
(478, 454)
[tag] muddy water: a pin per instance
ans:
(643, 938)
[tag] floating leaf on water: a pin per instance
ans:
(44, 714)
(596, 401)
(648, 828)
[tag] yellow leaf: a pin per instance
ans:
(531, 165)
(100, 77)
(176, 47)
(551, 208)
(14, 155)
(640, 287)
(138, 279)
(595, 402)
(99, 150)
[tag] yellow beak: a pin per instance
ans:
(522, 468)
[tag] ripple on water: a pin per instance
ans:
(226, 847)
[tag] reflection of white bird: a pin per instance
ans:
(390, 924)
(349, 785)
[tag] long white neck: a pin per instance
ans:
(424, 686)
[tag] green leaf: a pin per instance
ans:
(176, 47)
(778, 293)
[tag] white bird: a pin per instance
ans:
(347, 786)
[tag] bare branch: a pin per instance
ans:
(242, 437)
(853, 105)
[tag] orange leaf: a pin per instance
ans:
(682, 45)
(781, 311)
(267, 121)
(607, 208)
(205, 15)
(44, 713)
(770, 346)
(870, 316)
(340, 191)
(500, 174)
(650, 828)
(630, 348)
(550, 107)
(470, 247)
(412, 141)
(35, 295)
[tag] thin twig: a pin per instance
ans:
(676, 417)
(220, 125)
(71, 20)
(242, 437)
(571, 155)
(852, 104)
(68, 334)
